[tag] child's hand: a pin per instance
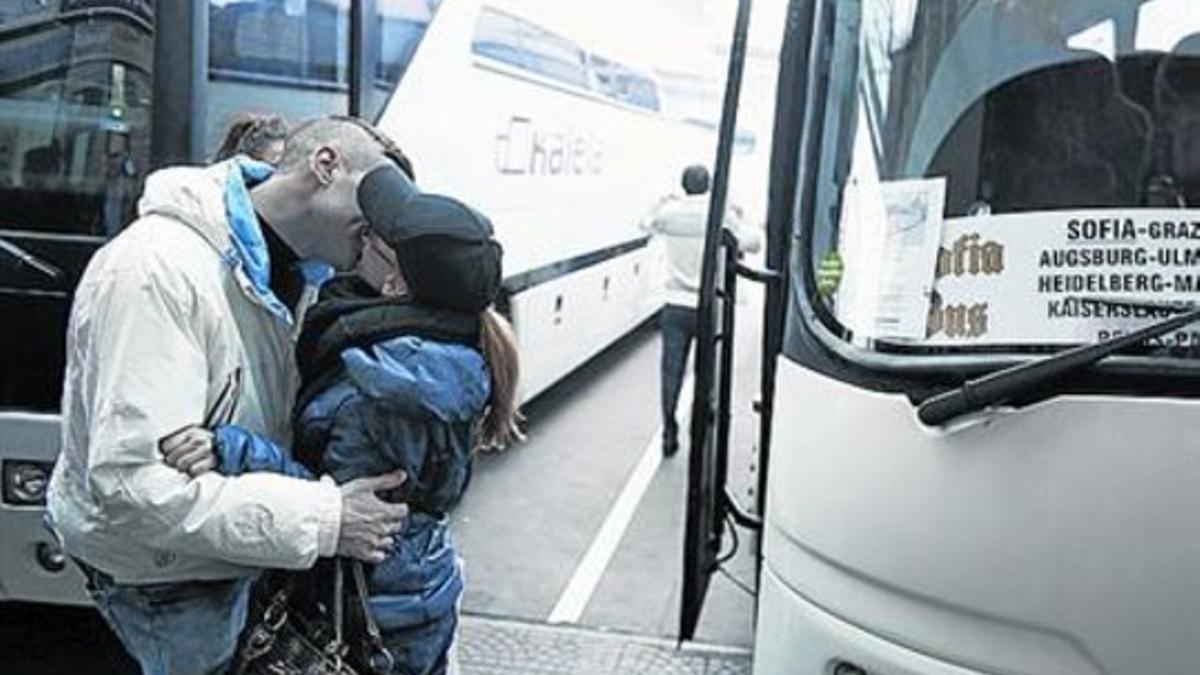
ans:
(190, 450)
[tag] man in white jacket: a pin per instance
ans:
(185, 319)
(682, 223)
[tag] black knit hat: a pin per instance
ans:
(445, 248)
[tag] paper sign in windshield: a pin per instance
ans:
(914, 232)
(1015, 279)
(888, 241)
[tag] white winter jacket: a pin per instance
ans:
(682, 222)
(164, 315)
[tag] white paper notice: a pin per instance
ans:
(914, 235)
(888, 239)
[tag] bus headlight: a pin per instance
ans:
(25, 482)
(847, 668)
(51, 557)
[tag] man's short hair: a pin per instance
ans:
(695, 179)
(360, 144)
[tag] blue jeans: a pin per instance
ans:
(678, 326)
(423, 649)
(185, 628)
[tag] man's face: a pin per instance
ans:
(379, 268)
(339, 236)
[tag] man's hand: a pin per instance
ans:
(190, 450)
(368, 522)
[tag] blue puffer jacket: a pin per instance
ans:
(400, 403)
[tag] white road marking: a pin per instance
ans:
(579, 590)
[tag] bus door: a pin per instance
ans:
(711, 508)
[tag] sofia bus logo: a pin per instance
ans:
(968, 256)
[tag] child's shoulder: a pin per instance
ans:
(447, 378)
(409, 350)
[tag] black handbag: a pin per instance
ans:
(312, 623)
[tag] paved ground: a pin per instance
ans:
(532, 512)
(496, 647)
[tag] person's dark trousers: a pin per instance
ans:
(678, 326)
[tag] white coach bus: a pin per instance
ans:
(543, 119)
(981, 355)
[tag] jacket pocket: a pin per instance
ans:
(183, 594)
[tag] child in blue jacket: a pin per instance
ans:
(404, 367)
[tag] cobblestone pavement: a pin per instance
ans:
(497, 646)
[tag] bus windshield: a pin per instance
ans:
(74, 116)
(992, 174)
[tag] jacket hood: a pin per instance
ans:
(194, 196)
(214, 201)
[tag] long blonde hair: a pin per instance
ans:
(499, 345)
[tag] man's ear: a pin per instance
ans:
(323, 162)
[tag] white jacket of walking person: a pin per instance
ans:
(681, 221)
(185, 309)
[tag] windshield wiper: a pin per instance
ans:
(1007, 383)
(30, 259)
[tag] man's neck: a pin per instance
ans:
(285, 280)
(275, 201)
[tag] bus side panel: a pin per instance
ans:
(1057, 539)
(564, 322)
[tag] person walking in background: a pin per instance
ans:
(681, 222)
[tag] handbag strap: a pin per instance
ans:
(339, 600)
(373, 652)
(259, 637)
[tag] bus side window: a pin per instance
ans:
(401, 25)
(498, 36)
(41, 167)
(624, 84)
(554, 56)
(286, 58)
(259, 38)
(523, 44)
